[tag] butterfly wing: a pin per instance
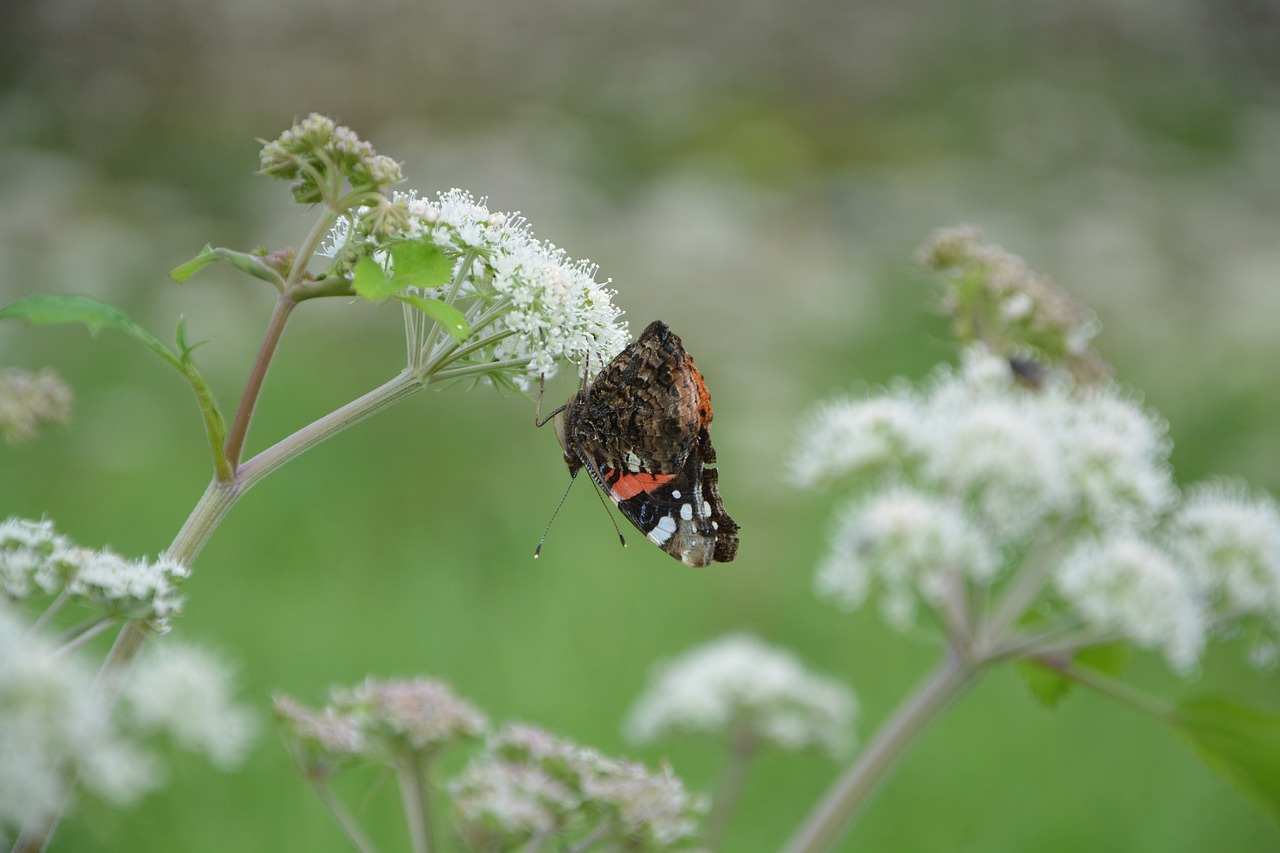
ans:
(640, 430)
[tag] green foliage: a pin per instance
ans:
(416, 265)
(1240, 742)
(50, 309)
(1050, 687)
(246, 263)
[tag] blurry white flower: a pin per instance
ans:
(530, 784)
(29, 401)
(1128, 587)
(1116, 457)
(845, 437)
(48, 714)
(412, 714)
(911, 544)
(740, 685)
(997, 453)
(648, 808)
(188, 692)
(1230, 543)
(500, 805)
(32, 556)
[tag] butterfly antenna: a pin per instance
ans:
(612, 520)
(536, 551)
(538, 420)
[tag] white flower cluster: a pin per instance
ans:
(131, 589)
(35, 558)
(379, 720)
(28, 401)
(529, 785)
(534, 306)
(742, 687)
(187, 691)
(974, 475)
(48, 713)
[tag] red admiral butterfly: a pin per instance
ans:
(640, 431)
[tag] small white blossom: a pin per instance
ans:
(911, 544)
(1230, 542)
(31, 553)
(187, 691)
(536, 306)
(997, 453)
(501, 804)
(415, 714)
(131, 589)
(1116, 457)
(649, 808)
(852, 437)
(739, 685)
(1126, 586)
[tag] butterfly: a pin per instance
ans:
(640, 430)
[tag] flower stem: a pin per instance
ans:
(403, 385)
(257, 375)
(413, 792)
(349, 826)
(742, 751)
(830, 818)
(1125, 694)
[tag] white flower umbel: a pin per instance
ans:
(1229, 542)
(913, 545)
(1128, 588)
(738, 685)
(131, 589)
(857, 437)
(504, 804)
(188, 692)
(409, 715)
(48, 713)
(34, 557)
(529, 306)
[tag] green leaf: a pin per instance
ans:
(57, 309)
(370, 282)
(1239, 742)
(449, 318)
(420, 265)
(246, 263)
(1107, 658)
(1048, 687)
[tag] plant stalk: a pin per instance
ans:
(257, 375)
(831, 817)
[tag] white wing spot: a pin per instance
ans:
(675, 493)
(686, 512)
(663, 530)
(706, 508)
(633, 462)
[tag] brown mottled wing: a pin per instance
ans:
(641, 431)
(644, 410)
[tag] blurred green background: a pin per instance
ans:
(757, 174)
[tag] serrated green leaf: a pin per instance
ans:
(449, 318)
(1239, 742)
(1047, 687)
(57, 309)
(370, 282)
(246, 263)
(420, 265)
